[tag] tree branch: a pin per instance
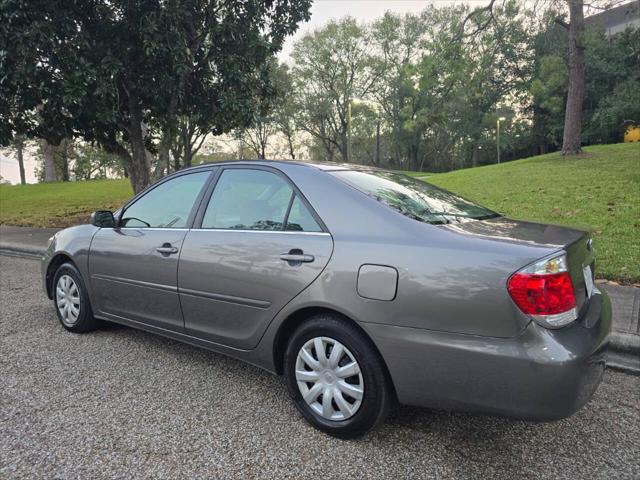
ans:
(474, 13)
(560, 21)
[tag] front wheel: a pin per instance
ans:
(336, 377)
(72, 301)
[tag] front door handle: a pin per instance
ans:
(296, 256)
(166, 249)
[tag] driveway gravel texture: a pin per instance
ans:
(120, 403)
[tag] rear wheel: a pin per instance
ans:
(71, 300)
(336, 377)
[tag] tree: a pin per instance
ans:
(91, 161)
(111, 71)
(571, 140)
(18, 144)
(284, 108)
(332, 67)
(399, 43)
(548, 90)
(612, 84)
(48, 158)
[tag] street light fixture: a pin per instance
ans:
(500, 119)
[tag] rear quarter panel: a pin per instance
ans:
(447, 281)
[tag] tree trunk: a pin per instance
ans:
(346, 149)
(48, 151)
(139, 172)
(19, 144)
(413, 158)
(378, 143)
(542, 148)
(291, 150)
(164, 159)
(63, 150)
(571, 141)
(188, 153)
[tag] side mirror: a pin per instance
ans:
(102, 219)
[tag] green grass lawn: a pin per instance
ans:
(598, 191)
(60, 204)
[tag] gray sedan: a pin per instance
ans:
(363, 287)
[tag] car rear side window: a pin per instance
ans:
(414, 198)
(166, 206)
(248, 199)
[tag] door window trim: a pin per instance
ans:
(204, 203)
(212, 170)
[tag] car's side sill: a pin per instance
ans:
(237, 353)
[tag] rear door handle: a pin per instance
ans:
(297, 258)
(166, 249)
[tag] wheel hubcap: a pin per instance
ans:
(68, 300)
(329, 378)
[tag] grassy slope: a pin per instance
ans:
(60, 204)
(599, 191)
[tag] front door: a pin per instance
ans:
(258, 245)
(134, 267)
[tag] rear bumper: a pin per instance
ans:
(539, 375)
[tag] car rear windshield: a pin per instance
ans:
(414, 198)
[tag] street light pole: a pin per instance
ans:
(500, 119)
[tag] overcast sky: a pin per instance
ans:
(322, 11)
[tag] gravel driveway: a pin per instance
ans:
(120, 403)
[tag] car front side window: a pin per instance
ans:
(166, 206)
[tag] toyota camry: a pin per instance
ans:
(362, 287)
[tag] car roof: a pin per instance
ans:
(323, 166)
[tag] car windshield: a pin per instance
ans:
(414, 198)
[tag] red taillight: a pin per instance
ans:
(548, 294)
(545, 292)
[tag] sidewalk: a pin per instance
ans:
(625, 338)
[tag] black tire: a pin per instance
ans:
(378, 396)
(85, 321)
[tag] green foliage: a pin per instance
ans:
(331, 67)
(437, 94)
(612, 83)
(92, 162)
(597, 191)
(110, 70)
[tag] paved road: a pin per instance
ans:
(119, 403)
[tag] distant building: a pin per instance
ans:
(616, 19)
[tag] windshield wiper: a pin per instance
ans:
(460, 215)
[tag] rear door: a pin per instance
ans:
(134, 267)
(255, 245)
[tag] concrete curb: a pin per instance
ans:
(624, 348)
(21, 250)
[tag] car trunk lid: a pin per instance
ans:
(576, 243)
